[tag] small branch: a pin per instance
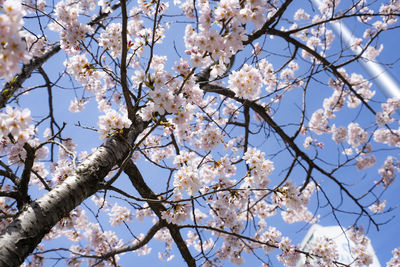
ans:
(138, 182)
(11, 87)
(9, 173)
(26, 174)
(124, 84)
(141, 243)
(13, 195)
(268, 23)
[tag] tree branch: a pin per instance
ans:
(26, 175)
(138, 182)
(124, 84)
(11, 87)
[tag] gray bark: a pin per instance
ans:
(36, 219)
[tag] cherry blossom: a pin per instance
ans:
(12, 50)
(119, 214)
(378, 207)
(395, 260)
(325, 248)
(222, 122)
(112, 123)
(246, 83)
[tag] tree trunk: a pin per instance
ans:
(36, 219)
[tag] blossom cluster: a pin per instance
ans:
(229, 14)
(100, 242)
(326, 249)
(395, 260)
(37, 46)
(61, 170)
(155, 150)
(187, 179)
(360, 250)
(15, 131)
(82, 70)
(246, 83)
(177, 213)
(68, 26)
(319, 122)
(339, 134)
(388, 170)
(260, 168)
(119, 214)
(32, 5)
(386, 136)
(289, 196)
(112, 123)
(388, 110)
(355, 135)
(149, 8)
(268, 75)
(301, 213)
(226, 210)
(193, 240)
(209, 138)
(15, 122)
(144, 250)
(365, 162)
(168, 95)
(371, 52)
(165, 236)
(4, 202)
(289, 257)
(13, 49)
(317, 38)
(77, 105)
(387, 11)
(378, 207)
(111, 39)
(268, 236)
(77, 227)
(361, 86)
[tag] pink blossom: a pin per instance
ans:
(246, 83)
(378, 207)
(301, 14)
